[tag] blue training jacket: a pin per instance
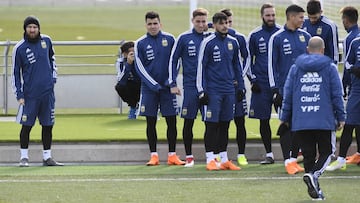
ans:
(327, 30)
(244, 49)
(352, 33)
(186, 48)
(152, 54)
(313, 94)
(218, 65)
(34, 69)
(258, 47)
(285, 46)
(125, 72)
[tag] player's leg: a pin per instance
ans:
(168, 108)
(47, 120)
(239, 119)
(265, 132)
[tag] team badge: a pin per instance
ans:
(24, 118)
(230, 46)
(208, 114)
(302, 38)
(319, 31)
(184, 111)
(43, 44)
(252, 112)
(164, 42)
(142, 109)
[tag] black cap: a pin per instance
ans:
(31, 20)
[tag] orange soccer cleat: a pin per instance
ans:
(174, 160)
(353, 159)
(212, 166)
(154, 160)
(229, 166)
(291, 168)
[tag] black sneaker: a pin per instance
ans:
(311, 183)
(268, 160)
(51, 162)
(24, 162)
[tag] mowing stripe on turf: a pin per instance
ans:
(166, 179)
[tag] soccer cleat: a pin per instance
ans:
(353, 159)
(212, 166)
(242, 161)
(321, 196)
(336, 165)
(268, 160)
(51, 162)
(291, 168)
(174, 160)
(132, 113)
(189, 162)
(154, 160)
(229, 166)
(24, 162)
(299, 168)
(312, 185)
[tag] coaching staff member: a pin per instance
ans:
(33, 79)
(314, 105)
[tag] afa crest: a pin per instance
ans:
(208, 114)
(230, 46)
(43, 44)
(142, 109)
(164, 42)
(301, 38)
(319, 31)
(24, 118)
(184, 111)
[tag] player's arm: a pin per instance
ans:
(52, 61)
(141, 69)
(336, 96)
(174, 64)
(16, 75)
(287, 103)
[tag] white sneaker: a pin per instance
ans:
(336, 165)
(189, 162)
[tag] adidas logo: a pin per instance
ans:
(311, 77)
(286, 40)
(261, 39)
(216, 48)
(28, 50)
(191, 42)
(149, 46)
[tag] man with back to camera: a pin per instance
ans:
(152, 55)
(33, 79)
(285, 46)
(314, 106)
(261, 95)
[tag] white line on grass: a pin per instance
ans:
(165, 179)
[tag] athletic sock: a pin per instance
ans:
(46, 154)
(209, 156)
(224, 157)
(189, 156)
(240, 155)
(154, 153)
(270, 155)
(171, 153)
(24, 153)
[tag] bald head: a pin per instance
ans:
(316, 45)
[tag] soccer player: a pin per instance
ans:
(33, 78)
(349, 19)
(186, 50)
(128, 85)
(152, 54)
(218, 65)
(285, 46)
(352, 64)
(316, 24)
(240, 106)
(261, 95)
(314, 106)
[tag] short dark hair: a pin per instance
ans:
(200, 12)
(351, 13)
(126, 46)
(152, 15)
(313, 7)
(293, 9)
(227, 12)
(265, 6)
(218, 17)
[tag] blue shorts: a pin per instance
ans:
(261, 103)
(220, 108)
(241, 108)
(191, 104)
(150, 103)
(42, 108)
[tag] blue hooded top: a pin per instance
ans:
(313, 94)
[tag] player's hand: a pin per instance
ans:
(340, 125)
(204, 99)
(175, 90)
(277, 100)
(21, 101)
(240, 94)
(255, 88)
(355, 71)
(130, 57)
